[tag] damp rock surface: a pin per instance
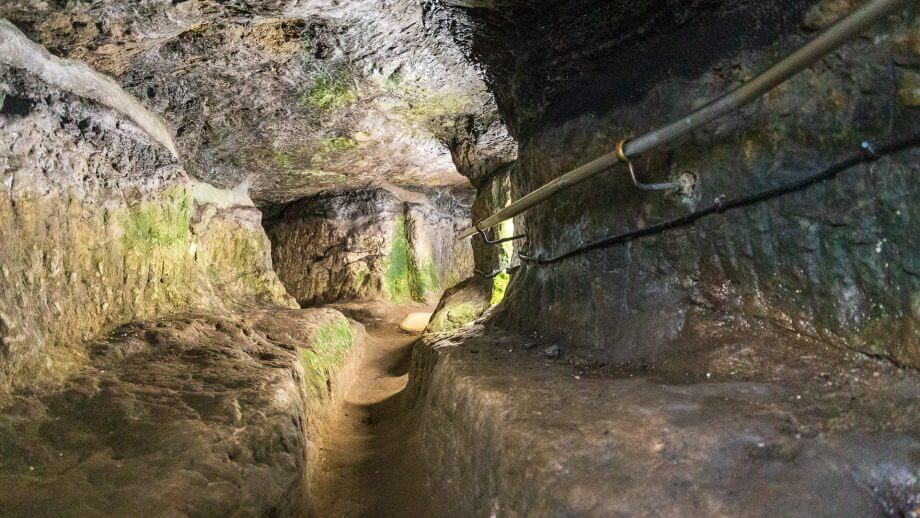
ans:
(836, 262)
(153, 363)
(749, 425)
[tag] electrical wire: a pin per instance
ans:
(869, 153)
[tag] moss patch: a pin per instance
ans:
(328, 349)
(282, 160)
(332, 146)
(398, 265)
(499, 285)
(158, 224)
(435, 111)
(454, 317)
(405, 278)
(331, 89)
(426, 278)
(506, 250)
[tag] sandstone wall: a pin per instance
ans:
(150, 359)
(369, 243)
(100, 226)
(838, 262)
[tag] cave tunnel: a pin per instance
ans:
(498, 258)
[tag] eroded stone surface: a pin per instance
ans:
(747, 425)
(195, 415)
(298, 97)
(100, 226)
(370, 243)
(462, 304)
(836, 262)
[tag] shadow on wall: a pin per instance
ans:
(837, 262)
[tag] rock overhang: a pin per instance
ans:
(297, 98)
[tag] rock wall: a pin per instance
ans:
(837, 263)
(751, 426)
(369, 243)
(296, 97)
(150, 359)
(101, 226)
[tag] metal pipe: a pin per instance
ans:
(496, 242)
(869, 153)
(835, 36)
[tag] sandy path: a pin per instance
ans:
(366, 462)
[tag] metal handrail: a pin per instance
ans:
(721, 205)
(835, 36)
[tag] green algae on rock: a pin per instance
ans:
(368, 243)
(326, 353)
(462, 304)
(102, 227)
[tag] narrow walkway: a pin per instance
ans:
(367, 465)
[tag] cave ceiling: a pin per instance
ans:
(304, 96)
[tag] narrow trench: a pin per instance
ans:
(367, 465)
(363, 459)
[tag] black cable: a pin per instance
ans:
(869, 153)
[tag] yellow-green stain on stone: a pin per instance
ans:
(500, 282)
(158, 224)
(405, 279)
(330, 90)
(327, 352)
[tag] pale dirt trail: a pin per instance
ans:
(367, 463)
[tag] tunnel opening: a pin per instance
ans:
(371, 243)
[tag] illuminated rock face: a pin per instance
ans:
(102, 226)
(154, 360)
(150, 359)
(296, 97)
(371, 244)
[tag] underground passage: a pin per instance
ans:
(459, 258)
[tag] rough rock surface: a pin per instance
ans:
(749, 426)
(100, 226)
(151, 360)
(192, 415)
(296, 96)
(547, 62)
(760, 363)
(461, 304)
(370, 243)
(838, 262)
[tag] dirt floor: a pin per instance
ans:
(367, 465)
(496, 424)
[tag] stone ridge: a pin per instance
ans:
(197, 414)
(17, 50)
